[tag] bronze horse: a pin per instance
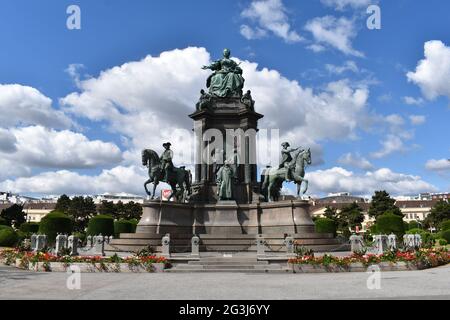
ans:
(179, 178)
(274, 177)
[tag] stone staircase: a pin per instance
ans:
(224, 243)
(230, 264)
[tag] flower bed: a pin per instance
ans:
(389, 261)
(42, 261)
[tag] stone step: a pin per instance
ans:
(225, 263)
(175, 270)
(218, 237)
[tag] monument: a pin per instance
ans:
(224, 205)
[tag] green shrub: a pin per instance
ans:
(101, 224)
(81, 236)
(325, 225)
(442, 242)
(135, 223)
(446, 235)
(123, 226)
(29, 227)
(8, 237)
(3, 222)
(413, 225)
(54, 223)
(415, 231)
(390, 223)
(2, 227)
(445, 225)
(406, 226)
(427, 238)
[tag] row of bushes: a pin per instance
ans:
(57, 222)
(386, 224)
(390, 223)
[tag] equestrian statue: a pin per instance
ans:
(161, 169)
(292, 168)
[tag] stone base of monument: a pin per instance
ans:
(225, 227)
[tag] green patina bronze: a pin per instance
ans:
(227, 80)
(225, 182)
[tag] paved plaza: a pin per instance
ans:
(427, 284)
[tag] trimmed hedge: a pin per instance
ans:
(54, 223)
(390, 223)
(123, 226)
(8, 237)
(135, 223)
(3, 222)
(446, 235)
(29, 227)
(2, 227)
(325, 225)
(445, 225)
(101, 224)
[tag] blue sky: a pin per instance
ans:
(378, 121)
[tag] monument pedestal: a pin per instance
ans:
(225, 227)
(223, 220)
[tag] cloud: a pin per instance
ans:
(341, 5)
(7, 141)
(413, 101)
(397, 135)
(347, 66)
(252, 33)
(340, 180)
(333, 32)
(118, 179)
(47, 148)
(73, 70)
(355, 160)
(417, 120)
(23, 105)
(391, 144)
(148, 101)
(12, 169)
(432, 74)
(269, 16)
(442, 165)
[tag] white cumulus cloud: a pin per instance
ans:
(441, 165)
(432, 74)
(337, 33)
(118, 179)
(23, 105)
(38, 146)
(269, 16)
(340, 180)
(343, 4)
(147, 101)
(355, 160)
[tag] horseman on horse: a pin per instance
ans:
(161, 169)
(292, 168)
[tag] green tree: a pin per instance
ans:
(439, 213)
(133, 210)
(63, 204)
(108, 208)
(351, 216)
(14, 215)
(382, 203)
(330, 213)
(81, 209)
(121, 210)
